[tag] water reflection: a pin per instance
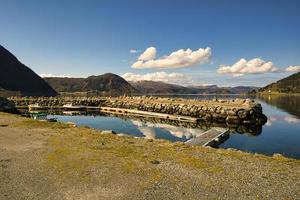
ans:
(275, 118)
(190, 127)
(281, 133)
(270, 121)
(180, 129)
(291, 119)
(148, 129)
(288, 103)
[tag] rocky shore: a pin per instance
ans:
(238, 111)
(6, 105)
(43, 160)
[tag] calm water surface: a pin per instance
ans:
(281, 134)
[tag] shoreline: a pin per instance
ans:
(81, 163)
(237, 111)
(277, 93)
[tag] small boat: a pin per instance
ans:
(70, 107)
(52, 120)
(36, 106)
(74, 112)
(38, 115)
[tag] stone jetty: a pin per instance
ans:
(237, 111)
(6, 105)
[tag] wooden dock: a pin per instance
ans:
(122, 111)
(147, 113)
(212, 137)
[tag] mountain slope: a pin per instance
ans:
(64, 84)
(290, 84)
(153, 87)
(242, 89)
(15, 76)
(106, 84)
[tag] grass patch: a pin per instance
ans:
(76, 152)
(42, 124)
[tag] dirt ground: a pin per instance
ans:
(43, 160)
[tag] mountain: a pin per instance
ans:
(287, 103)
(242, 89)
(211, 89)
(112, 84)
(155, 87)
(15, 76)
(290, 84)
(106, 84)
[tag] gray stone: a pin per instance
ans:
(108, 132)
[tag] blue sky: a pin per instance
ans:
(82, 38)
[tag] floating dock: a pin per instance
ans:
(147, 114)
(213, 137)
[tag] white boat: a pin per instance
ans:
(74, 112)
(72, 107)
(36, 107)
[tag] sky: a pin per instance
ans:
(228, 43)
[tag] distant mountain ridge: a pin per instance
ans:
(105, 84)
(290, 84)
(155, 87)
(15, 76)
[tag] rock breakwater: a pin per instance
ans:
(6, 105)
(237, 111)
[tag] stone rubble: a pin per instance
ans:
(237, 111)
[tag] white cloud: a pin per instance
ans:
(271, 120)
(291, 119)
(133, 51)
(293, 69)
(178, 59)
(148, 54)
(174, 78)
(52, 75)
(242, 67)
(148, 130)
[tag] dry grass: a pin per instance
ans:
(83, 156)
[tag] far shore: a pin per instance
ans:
(278, 93)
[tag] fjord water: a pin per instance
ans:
(281, 134)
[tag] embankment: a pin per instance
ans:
(43, 160)
(238, 111)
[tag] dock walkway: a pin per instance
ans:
(147, 113)
(212, 137)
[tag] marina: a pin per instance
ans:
(161, 100)
(257, 138)
(234, 111)
(251, 138)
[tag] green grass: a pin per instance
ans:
(75, 152)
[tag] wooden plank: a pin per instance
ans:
(147, 113)
(209, 137)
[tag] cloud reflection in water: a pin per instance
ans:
(289, 119)
(148, 129)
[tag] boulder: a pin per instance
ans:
(6, 105)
